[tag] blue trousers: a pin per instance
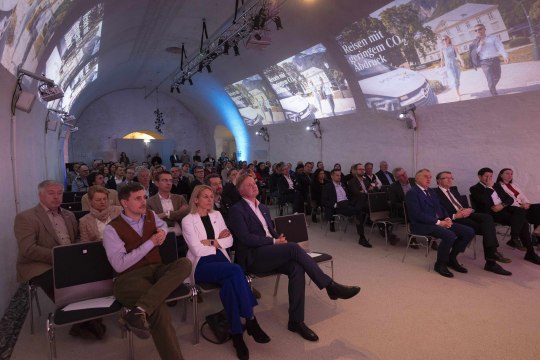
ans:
(235, 294)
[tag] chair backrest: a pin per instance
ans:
(473, 204)
(169, 249)
(385, 188)
(80, 214)
(72, 196)
(72, 206)
(294, 228)
(81, 271)
(379, 207)
(465, 200)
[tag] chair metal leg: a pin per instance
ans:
(30, 290)
(428, 246)
(195, 314)
(406, 248)
(131, 351)
(51, 336)
(276, 285)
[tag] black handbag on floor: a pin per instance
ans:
(219, 327)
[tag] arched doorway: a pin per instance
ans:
(224, 140)
(140, 146)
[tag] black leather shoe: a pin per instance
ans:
(455, 265)
(434, 245)
(303, 330)
(241, 349)
(364, 242)
(516, 244)
(532, 257)
(497, 256)
(443, 270)
(253, 329)
(496, 268)
(337, 291)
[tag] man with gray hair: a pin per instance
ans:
(38, 230)
(143, 178)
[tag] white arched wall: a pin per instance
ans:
(461, 137)
(119, 113)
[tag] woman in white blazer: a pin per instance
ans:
(505, 179)
(208, 238)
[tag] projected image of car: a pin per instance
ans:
(250, 116)
(295, 107)
(389, 88)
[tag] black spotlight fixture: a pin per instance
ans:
(172, 89)
(182, 81)
(236, 50)
(190, 81)
(178, 89)
(208, 68)
(226, 48)
(200, 67)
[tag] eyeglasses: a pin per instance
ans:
(477, 30)
(446, 178)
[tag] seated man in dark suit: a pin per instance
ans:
(335, 201)
(384, 175)
(288, 193)
(491, 199)
(482, 224)
(428, 217)
(259, 249)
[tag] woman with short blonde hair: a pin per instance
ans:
(208, 238)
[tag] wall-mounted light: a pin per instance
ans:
(48, 90)
(264, 133)
(408, 115)
(65, 119)
(315, 128)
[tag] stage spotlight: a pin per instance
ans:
(315, 128)
(208, 68)
(236, 50)
(190, 81)
(200, 67)
(226, 48)
(172, 89)
(263, 132)
(178, 89)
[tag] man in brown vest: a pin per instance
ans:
(131, 242)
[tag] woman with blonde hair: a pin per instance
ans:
(451, 59)
(92, 225)
(208, 238)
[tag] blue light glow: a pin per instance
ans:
(231, 117)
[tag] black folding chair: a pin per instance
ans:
(72, 206)
(81, 272)
(379, 213)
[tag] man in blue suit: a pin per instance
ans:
(260, 250)
(428, 217)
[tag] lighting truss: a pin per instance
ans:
(220, 43)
